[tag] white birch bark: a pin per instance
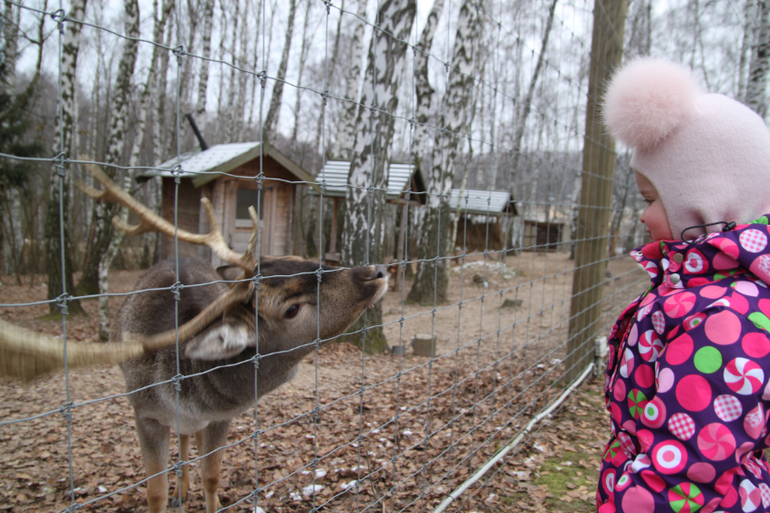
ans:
(756, 89)
(362, 231)
(423, 90)
(343, 143)
(115, 154)
(63, 143)
(160, 133)
(432, 277)
(273, 113)
(203, 77)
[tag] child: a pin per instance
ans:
(689, 363)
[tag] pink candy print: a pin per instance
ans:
(650, 346)
(669, 457)
(744, 376)
(682, 426)
(680, 304)
(727, 407)
(753, 241)
(716, 442)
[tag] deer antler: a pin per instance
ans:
(149, 221)
(25, 354)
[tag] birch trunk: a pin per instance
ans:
(346, 136)
(203, 79)
(60, 275)
(108, 240)
(749, 9)
(423, 90)
(431, 280)
(273, 113)
(362, 234)
(756, 96)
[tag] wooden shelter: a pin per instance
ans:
(229, 175)
(405, 186)
(487, 218)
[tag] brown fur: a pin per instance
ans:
(208, 399)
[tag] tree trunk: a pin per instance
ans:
(230, 112)
(756, 88)
(271, 121)
(203, 79)
(107, 239)
(365, 200)
(57, 218)
(346, 134)
(431, 280)
(749, 8)
(423, 90)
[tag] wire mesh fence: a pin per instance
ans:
(495, 211)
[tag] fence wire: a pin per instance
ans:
(354, 431)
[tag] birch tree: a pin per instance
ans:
(56, 222)
(431, 280)
(423, 90)
(756, 88)
(343, 142)
(303, 56)
(271, 121)
(203, 77)
(362, 232)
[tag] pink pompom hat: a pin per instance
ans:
(707, 155)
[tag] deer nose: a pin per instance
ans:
(379, 272)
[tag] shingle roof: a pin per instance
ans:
(205, 166)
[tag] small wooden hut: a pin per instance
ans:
(405, 187)
(487, 219)
(228, 175)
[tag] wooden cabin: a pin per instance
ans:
(405, 186)
(228, 175)
(487, 219)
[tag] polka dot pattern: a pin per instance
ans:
(686, 380)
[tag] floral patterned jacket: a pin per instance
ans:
(688, 380)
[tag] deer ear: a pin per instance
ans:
(224, 341)
(230, 272)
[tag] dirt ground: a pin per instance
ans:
(391, 433)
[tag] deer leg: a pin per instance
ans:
(153, 439)
(213, 437)
(179, 495)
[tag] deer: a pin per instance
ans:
(243, 330)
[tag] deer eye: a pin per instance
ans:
(292, 311)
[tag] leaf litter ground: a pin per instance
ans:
(353, 432)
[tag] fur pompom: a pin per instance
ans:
(647, 99)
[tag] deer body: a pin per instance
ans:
(275, 307)
(287, 307)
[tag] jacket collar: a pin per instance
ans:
(710, 257)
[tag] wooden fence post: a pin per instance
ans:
(592, 238)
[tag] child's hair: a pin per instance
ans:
(706, 154)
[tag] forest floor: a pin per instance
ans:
(393, 433)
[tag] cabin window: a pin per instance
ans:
(246, 198)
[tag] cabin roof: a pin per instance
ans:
(334, 176)
(205, 166)
(483, 202)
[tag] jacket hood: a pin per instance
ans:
(710, 257)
